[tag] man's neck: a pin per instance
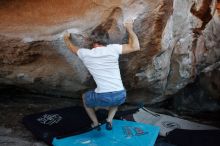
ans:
(97, 45)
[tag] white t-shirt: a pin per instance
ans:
(102, 63)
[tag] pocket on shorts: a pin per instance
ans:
(111, 98)
(104, 99)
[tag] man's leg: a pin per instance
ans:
(91, 113)
(111, 114)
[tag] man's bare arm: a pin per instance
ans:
(133, 42)
(69, 44)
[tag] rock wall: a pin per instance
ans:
(202, 95)
(178, 38)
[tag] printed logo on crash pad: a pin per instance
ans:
(170, 125)
(130, 131)
(49, 119)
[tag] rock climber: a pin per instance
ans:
(102, 63)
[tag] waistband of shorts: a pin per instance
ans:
(124, 90)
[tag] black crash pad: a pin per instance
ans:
(64, 122)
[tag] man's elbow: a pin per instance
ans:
(136, 48)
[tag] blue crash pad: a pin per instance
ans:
(124, 133)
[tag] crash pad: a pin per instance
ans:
(58, 122)
(64, 122)
(167, 123)
(124, 133)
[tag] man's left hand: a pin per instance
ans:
(67, 36)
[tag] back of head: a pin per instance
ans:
(99, 36)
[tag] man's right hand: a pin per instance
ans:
(133, 42)
(129, 24)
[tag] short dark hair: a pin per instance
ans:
(99, 36)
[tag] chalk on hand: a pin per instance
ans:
(71, 30)
(129, 21)
(132, 18)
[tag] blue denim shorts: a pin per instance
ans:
(107, 99)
